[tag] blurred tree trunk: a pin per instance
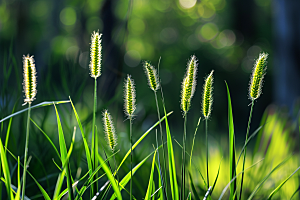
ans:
(286, 57)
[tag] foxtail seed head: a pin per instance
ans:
(129, 96)
(109, 130)
(152, 76)
(95, 62)
(189, 84)
(29, 82)
(257, 76)
(207, 95)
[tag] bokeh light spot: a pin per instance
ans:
(168, 35)
(68, 16)
(94, 23)
(206, 10)
(186, 4)
(132, 58)
(253, 52)
(136, 26)
(209, 31)
(40, 8)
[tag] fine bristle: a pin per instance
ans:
(129, 96)
(109, 130)
(207, 99)
(95, 54)
(189, 84)
(152, 76)
(29, 81)
(258, 73)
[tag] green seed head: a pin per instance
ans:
(109, 130)
(189, 84)
(152, 76)
(29, 82)
(207, 95)
(129, 96)
(95, 62)
(257, 76)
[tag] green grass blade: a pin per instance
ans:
(140, 139)
(19, 181)
(215, 182)
(297, 190)
(111, 177)
(193, 188)
(8, 129)
(189, 196)
(150, 185)
(46, 103)
(227, 186)
(266, 177)
(84, 138)
(279, 186)
(127, 178)
(232, 163)
(6, 172)
(47, 137)
(44, 193)
(64, 154)
(172, 168)
(159, 183)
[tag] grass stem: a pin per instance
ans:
(245, 152)
(164, 184)
(26, 151)
(207, 174)
(94, 187)
(130, 119)
(183, 161)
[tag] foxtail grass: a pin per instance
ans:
(207, 101)
(154, 84)
(95, 72)
(255, 90)
(29, 86)
(187, 92)
(129, 108)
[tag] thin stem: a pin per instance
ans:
(130, 119)
(245, 152)
(26, 151)
(94, 188)
(183, 161)
(206, 153)
(163, 148)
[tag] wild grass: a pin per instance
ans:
(83, 169)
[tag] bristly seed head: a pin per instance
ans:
(129, 96)
(152, 76)
(109, 130)
(29, 82)
(189, 84)
(95, 53)
(257, 76)
(207, 95)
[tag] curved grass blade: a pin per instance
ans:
(150, 185)
(159, 183)
(227, 186)
(127, 178)
(189, 196)
(193, 188)
(64, 155)
(6, 172)
(213, 187)
(140, 139)
(298, 189)
(266, 177)
(46, 103)
(172, 168)
(86, 147)
(232, 164)
(279, 186)
(47, 137)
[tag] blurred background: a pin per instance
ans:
(225, 35)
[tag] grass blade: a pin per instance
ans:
(6, 172)
(172, 168)
(150, 188)
(193, 188)
(266, 177)
(127, 178)
(232, 163)
(46, 103)
(279, 186)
